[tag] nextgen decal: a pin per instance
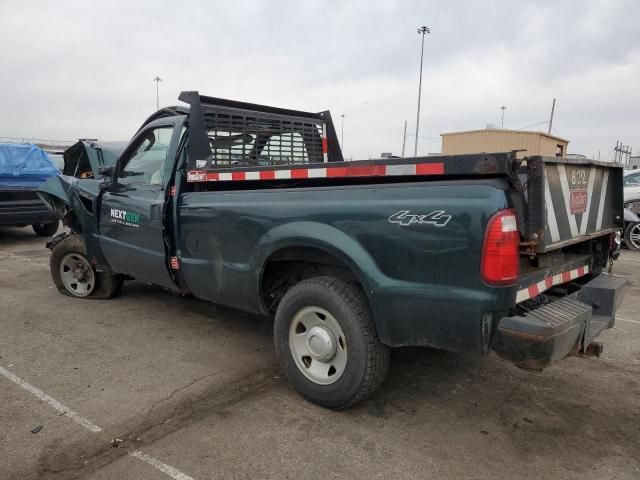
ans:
(122, 217)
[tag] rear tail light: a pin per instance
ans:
(500, 263)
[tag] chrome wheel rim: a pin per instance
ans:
(318, 345)
(77, 275)
(634, 236)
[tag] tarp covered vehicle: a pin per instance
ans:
(23, 168)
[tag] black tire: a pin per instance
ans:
(46, 229)
(631, 236)
(107, 284)
(367, 358)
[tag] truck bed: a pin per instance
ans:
(236, 145)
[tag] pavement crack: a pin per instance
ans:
(179, 389)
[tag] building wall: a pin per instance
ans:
(495, 140)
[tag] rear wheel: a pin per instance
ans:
(45, 229)
(326, 343)
(632, 236)
(74, 275)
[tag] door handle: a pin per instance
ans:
(155, 213)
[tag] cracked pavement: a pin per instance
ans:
(196, 386)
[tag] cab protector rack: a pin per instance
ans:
(231, 133)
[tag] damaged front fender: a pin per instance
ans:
(77, 203)
(56, 194)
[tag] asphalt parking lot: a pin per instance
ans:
(154, 386)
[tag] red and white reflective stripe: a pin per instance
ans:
(548, 282)
(174, 263)
(436, 168)
(325, 144)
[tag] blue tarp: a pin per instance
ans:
(24, 165)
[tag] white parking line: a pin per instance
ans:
(627, 320)
(163, 467)
(52, 402)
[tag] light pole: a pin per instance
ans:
(404, 138)
(421, 31)
(157, 80)
(503, 108)
(342, 132)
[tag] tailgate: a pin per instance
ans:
(569, 201)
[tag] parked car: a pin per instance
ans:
(351, 258)
(23, 168)
(631, 184)
(631, 234)
(57, 159)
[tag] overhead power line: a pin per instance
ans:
(534, 125)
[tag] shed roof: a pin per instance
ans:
(506, 131)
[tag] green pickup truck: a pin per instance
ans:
(253, 207)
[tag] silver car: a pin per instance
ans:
(632, 202)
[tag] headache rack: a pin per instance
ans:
(230, 134)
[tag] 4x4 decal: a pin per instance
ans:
(437, 218)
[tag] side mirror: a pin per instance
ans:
(105, 185)
(105, 171)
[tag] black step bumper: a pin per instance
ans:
(21, 207)
(569, 324)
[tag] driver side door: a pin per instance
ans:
(132, 210)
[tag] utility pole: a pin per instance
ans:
(342, 133)
(553, 109)
(503, 108)
(622, 153)
(421, 31)
(157, 80)
(404, 138)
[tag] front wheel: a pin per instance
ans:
(326, 343)
(74, 275)
(632, 236)
(45, 229)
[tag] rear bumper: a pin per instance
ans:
(23, 207)
(22, 217)
(567, 325)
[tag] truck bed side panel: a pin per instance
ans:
(420, 270)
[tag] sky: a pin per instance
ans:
(85, 69)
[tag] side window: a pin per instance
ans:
(145, 166)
